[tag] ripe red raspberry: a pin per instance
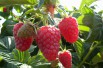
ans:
(66, 59)
(4, 9)
(69, 29)
(22, 43)
(48, 38)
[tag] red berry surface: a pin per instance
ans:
(69, 29)
(48, 38)
(22, 43)
(4, 9)
(66, 59)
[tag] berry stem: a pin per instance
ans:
(61, 48)
(64, 14)
(19, 55)
(90, 51)
(61, 45)
(22, 56)
(52, 22)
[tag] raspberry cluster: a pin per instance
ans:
(48, 38)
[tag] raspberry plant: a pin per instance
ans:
(50, 35)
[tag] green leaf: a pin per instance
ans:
(100, 12)
(80, 20)
(7, 28)
(21, 56)
(87, 10)
(4, 14)
(54, 2)
(2, 47)
(9, 65)
(87, 2)
(18, 8)
(33, 50)
(95, 35)
(38, 61)
(1, 8)
(32, 47)
(8, 44)
(32, 1)
(100, 64)
(5, 3)
(87, 16)
(87, 48)
(7, 57)
(76, 14)
(78, 45)
(75, 58)
(88, 20)
(41, 2)
(29, 11)
(42, 65)
(93, 54)
(32, 11)
(84, 28)
(97, 21)
(97, 58)
(73, 66)
(96, 32)
(1, 58)
(39, 58)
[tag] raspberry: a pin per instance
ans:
(66, 59)
(22, 43)
(69, 29)
(48, 38)
(4, 9)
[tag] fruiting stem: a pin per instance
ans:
(90, 51)
(61, 45)
(18, 55)
(64, 14)
(22, 56)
